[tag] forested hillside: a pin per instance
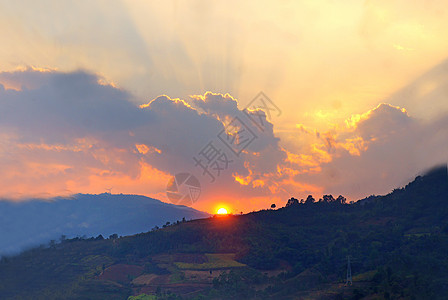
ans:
(396, 243)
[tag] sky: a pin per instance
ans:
(121, 96)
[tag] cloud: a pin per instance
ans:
(381, 122)
(65, 132)
(221, 106)
(427, 94)
(374, 152)
(69, 132)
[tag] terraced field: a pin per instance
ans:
(215, 261)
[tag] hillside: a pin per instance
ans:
(30, 223)
(397, 246)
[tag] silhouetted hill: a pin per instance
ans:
(397, 244)
(30, 223)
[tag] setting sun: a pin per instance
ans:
(222, 211)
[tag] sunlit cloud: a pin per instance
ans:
(361, 85)
(70, 132)
(374, 152)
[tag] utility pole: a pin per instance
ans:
(349, 272)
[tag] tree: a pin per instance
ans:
(273, 206)
(309, 199)
(292, 201)
(328, 199)
(341, 200)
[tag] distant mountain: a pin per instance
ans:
(27, 224)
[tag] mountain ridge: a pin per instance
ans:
(83, 215)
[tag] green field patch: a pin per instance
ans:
(214, 261)
(97, 260)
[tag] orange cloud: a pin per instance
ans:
(99, 139)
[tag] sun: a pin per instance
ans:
(222, 211)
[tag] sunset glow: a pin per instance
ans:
(222, 211)
(223, 149)
(133, 101)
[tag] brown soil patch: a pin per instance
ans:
(144, 279)
(121, 273)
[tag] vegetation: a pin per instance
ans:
(397, 244)
(214, 261)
